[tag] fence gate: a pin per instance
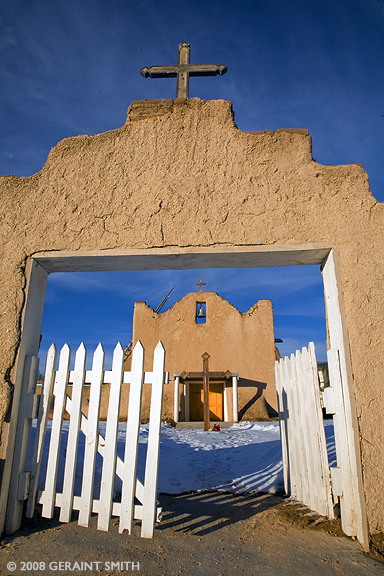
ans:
(24, 482)
(307, 475)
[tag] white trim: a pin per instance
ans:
(176, 399)
(29, 346)
(187, 258)
(235, 399)
(225, 388)
(178, 258)
(186, 401)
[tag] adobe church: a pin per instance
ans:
(241, 348)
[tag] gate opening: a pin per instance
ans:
(41, 265)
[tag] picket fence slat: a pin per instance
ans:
(132, 439)
(284, 418)
(109, 464)
(152, 463)
(324, 490)
(91, 437)
(41, 427)
(59, 391)
(73, 435)
(293, 446)
(299, 418)
(283, 422)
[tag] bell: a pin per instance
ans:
(200, 313)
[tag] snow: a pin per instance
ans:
(244, 458)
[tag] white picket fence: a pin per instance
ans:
(56, 382)
(305, 459)
(307, 475)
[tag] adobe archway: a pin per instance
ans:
(179, 178)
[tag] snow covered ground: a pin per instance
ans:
(243, 458)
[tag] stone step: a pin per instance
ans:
(200, 425)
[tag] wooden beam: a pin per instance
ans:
(212, 375)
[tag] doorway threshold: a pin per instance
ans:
(200, 425)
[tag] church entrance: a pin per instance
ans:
(216, 402)
(222, 396)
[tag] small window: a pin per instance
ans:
(201, 316)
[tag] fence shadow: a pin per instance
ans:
(195, 513)
(201, 513)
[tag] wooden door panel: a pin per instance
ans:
(196, 402)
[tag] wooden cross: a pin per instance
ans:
(205, 358)
(201, 284)
(183, 70)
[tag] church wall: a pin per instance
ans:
(180, 174)
(240, 343)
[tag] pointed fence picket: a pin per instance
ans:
(41, 428)
(55, 383)
(304, 448)
(59, 391)
(109, 463)
(91, 439)
(73, 435)
(152, 463)
(132, 441)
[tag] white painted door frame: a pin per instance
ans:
(352, 501)
(43, 264)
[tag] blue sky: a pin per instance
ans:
(98, 306)
(72, 67)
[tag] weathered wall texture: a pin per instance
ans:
(240, 343)
(182, 174)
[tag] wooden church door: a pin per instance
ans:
(196, 402)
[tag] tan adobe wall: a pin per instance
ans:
(240, 343)
(180, 174)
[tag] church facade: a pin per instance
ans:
(241, 349)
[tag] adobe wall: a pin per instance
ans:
(180, 174)
(240, 343)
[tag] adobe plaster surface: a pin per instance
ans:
(180, 174)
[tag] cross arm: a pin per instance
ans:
(207, 70)
(191, 69)
(159, 72)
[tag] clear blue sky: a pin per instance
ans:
(72, 67)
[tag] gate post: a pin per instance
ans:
(29, 346)
(341, 379)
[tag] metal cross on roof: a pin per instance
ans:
(201, 284)
(183, 70)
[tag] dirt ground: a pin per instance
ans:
(210, 534)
